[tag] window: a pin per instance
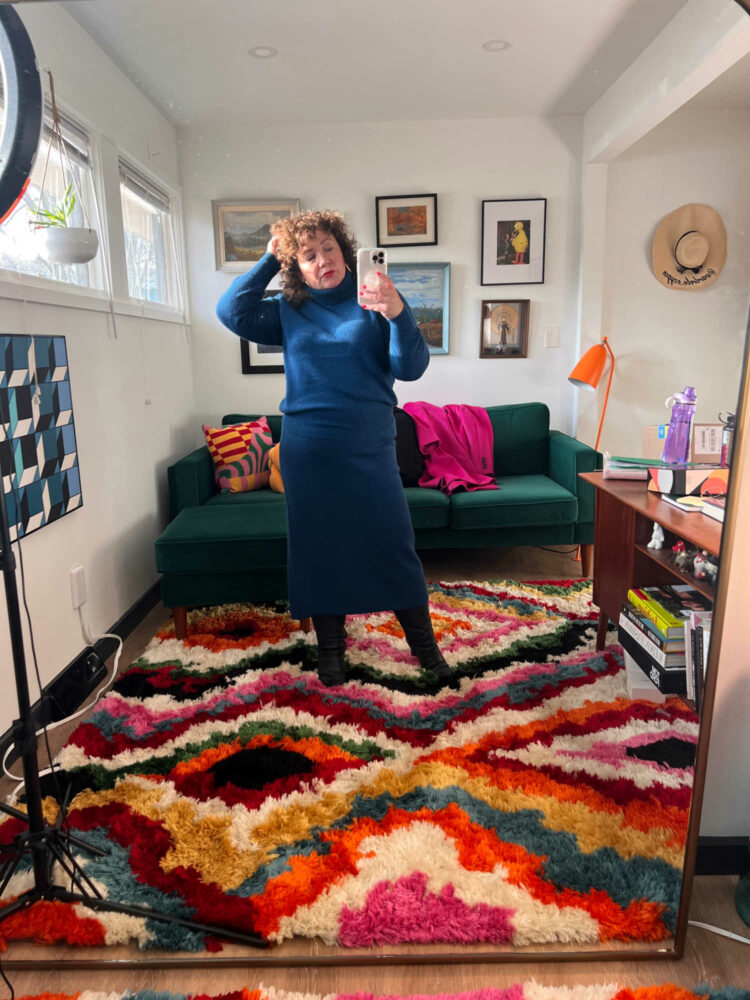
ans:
(20, 242)
(149, 239)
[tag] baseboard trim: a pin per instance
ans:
(75, 682)
(722, 856)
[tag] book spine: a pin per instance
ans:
(642, 638)
(650, 630)
(689, 675)
(668, 681)
(662, 618)
(698, 631)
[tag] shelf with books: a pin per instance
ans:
(625, 515)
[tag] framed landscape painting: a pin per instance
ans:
(242, 229)
(513, 235)
(426, 287)
(408, 220)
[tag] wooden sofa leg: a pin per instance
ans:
(180, 622)
(587, 560)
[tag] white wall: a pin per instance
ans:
(664, 339)
(345, 166)
(124, 444)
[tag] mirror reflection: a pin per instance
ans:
(541, 800)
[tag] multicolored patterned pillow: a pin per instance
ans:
(240, 453)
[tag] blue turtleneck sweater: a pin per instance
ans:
(340, 359)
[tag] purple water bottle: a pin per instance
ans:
(677, 444)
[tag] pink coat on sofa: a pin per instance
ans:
(456, 442)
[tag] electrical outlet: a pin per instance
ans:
(77, 587)
(552, 336)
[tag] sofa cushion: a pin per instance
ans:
(428, 508)
(207, 540)
(520, 501)
(264, 496)
(521, 438)
(409, 457)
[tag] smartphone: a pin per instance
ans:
(370, 260)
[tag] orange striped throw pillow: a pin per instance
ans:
(240, 453)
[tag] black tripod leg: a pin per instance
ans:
(73, 870)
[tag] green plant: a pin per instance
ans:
(60, 215)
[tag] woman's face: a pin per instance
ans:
(321, 261)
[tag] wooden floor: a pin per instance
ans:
(709, 958)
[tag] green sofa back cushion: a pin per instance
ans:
(521, 432)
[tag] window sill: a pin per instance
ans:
(65, 296)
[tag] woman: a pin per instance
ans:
(350, 538)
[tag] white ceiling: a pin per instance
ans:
(376, 60)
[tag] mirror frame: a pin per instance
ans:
(18, 145)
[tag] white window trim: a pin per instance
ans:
(177, 235)
(15, 285)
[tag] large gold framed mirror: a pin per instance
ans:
(617, 113)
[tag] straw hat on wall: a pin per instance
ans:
(689, 248)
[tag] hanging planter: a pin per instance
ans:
(62, 243)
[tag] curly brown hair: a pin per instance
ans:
(291, 233)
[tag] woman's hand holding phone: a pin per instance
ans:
(381, 296)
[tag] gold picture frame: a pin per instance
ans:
(242, 229)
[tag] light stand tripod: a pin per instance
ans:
(45, 843)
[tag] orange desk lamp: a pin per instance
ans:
(588, 372)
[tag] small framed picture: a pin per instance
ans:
(262, 359)
(408, 220)
(505, 329)
(242, 229)
(513, 234)
(426, 287)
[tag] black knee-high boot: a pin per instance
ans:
(331, 635)
(417, 627)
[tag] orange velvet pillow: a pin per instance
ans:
(275, 467)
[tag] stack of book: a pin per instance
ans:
(652, 631)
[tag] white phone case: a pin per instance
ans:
(370, 260)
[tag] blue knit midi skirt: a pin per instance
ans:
(349, 534)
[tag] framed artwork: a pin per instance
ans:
(263, 359)
(513, 234)
(242, 229)
(38, 453)
(505, 329)
(408, 220)
(426, 287)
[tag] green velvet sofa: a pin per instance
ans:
(220, 548)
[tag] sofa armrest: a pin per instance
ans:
(191, 481)
(568, 457)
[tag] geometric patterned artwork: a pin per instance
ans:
(38, 453)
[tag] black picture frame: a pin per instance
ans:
(254, 357)
(415, 214)
(499, 251)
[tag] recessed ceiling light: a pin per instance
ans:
(496, 45)
(263, 52)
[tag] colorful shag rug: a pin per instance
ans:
(530, 990)
(529, 802)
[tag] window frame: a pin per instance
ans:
(106, 217)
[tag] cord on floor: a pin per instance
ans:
(719, 930)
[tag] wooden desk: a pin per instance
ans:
(623, 525)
